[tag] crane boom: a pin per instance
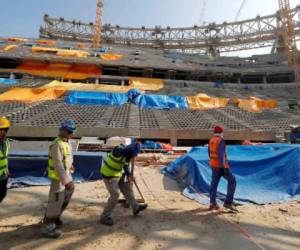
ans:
(240, 9)
(98, 24)
(289, 37)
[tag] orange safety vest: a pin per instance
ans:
(214, 153)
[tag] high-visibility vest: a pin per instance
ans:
(52, 173)
(113, 166)
(214, 153)
(4, 158)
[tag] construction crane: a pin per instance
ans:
(202, 13)
(98, 24)
(289, 37)
(240, 9)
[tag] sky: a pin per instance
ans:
(24, 17)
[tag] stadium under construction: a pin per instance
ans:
(254, 98)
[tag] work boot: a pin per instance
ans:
(231, 207)
(108, 221)
(139, 208)
(59, 222)
(50, 231)
(214, 207)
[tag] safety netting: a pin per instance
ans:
(29, 168)
(264, 174)
(111, 57)
(147, 84)
(96, 98)
(203, 101)
(7, 81)
(29, 95)
(66, 71)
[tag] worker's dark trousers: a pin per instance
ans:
(3, 189)
(217, 173)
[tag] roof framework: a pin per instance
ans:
(253, 33)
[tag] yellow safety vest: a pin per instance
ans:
(52, 173)
(4, 159)
(113, 166)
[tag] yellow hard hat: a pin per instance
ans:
(4, 123)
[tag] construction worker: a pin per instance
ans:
(4, 149)
(60, 167)
(117, 177)
(220, 168)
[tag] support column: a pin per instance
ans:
(148, 73)
(239, 80)
(265, 80)
(123, 71)
(171, 74)
(173, 141)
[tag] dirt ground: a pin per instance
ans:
(171, 222)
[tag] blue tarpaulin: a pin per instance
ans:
(161, 102)
(134, 96)
(151, 145)
(29, 168)
(96, 98)
(265, 174)
(7, 81)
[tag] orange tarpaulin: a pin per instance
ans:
(60, 52)
(256, 105)
(45, 42)
(87, 87)
(111, 57)
(10, 47)
(142, 84)
(66, 71)
(81, 45)
(203, 102)
(30, 95)
(147, 84)
(74, 53)
(44, 50)
(16, 39)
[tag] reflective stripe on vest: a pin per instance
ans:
(4, 158)
(113, 166)
(52, 173)
(214, 161)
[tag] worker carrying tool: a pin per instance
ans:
(60, 168)
(118, 177)
(220, 168)
(4, 150)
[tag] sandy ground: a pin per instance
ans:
(171, 222)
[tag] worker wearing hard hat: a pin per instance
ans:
(117, 177)
(220, 168)
(4, 149)
(60, 167)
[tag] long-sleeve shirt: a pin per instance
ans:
(57, 156)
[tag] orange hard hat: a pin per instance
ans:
(4, 123)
